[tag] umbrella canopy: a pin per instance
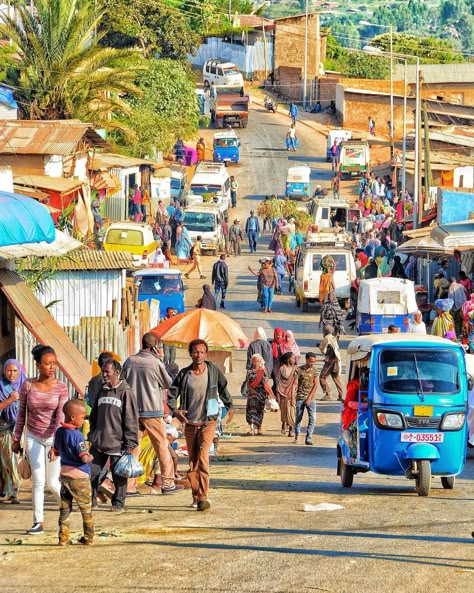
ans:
(23, 220)
(424, 247)
(219, 331)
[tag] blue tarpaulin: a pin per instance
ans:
(6, 96)
(24, 220)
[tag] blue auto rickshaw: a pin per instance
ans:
(226, 147)
(407, 418)
(161, 284)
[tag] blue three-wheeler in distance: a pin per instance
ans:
(405, 409)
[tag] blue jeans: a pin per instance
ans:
(233, 198)
(280, 280)
(267, 294)
(218, 287)
(252, 240)
(300, 408)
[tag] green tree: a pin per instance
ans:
(157, 28)
(61, 71)
(430, 50)
(166, 109)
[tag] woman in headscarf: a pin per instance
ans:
(258, 390)
(207, 301)
(397, 269)
(443, 322)
(383, 267)
(260, 345)
(11, 381)
(201, 150)
(410, 268)
(281, 266)
(326, 282)
(290, 345)
(468, 322)
(183, 242)
(276, 343)
(286, 384)
(332, 314)
(159, 259)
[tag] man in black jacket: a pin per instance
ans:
(220, 279)
(113, 429)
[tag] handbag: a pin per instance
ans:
(24, 467)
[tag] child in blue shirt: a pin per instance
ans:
(69, 445)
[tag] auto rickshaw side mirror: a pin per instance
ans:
(470, 382)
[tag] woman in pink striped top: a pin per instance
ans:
(41, 401)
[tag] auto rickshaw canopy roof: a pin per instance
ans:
(361, 346)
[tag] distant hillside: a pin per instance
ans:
(350, 20)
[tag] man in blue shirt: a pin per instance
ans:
(293, 113)
(252, 230)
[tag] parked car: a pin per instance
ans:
(135, 238)
(221, 72)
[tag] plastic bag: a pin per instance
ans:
(272, 405)
(128, 467)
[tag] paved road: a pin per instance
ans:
(256, 538)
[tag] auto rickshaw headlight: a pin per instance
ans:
(390, 420)
(453, 421)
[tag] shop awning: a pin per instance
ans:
(456, 235)
(61, 245)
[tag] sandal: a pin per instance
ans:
(84, 541)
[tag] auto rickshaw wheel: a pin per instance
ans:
(448, 482)
(347, 474)
(423, 478)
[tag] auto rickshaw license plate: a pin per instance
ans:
(423, 411)
(422, 437)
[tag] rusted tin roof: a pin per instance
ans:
(45, 329)
(46, 137)
(109, 160)
(61, 185)
(87, 259)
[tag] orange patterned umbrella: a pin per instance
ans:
(219, 331)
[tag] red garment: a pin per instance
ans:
(467, 287)
(352, 395)
(275, 343)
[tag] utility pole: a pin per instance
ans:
(392, 123)
(418, 151)
(305, 67)
(404, 139)
(426, 134)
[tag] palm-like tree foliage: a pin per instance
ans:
(62, 72)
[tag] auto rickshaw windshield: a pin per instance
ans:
(419, 371)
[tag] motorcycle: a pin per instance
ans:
(269, 104)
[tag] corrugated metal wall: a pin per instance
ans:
(92, 336)
(116, 205)
(80, 293)
(248, 58)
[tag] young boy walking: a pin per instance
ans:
(75, 474)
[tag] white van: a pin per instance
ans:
(211, 178)
(221, 73)
(205, 220)
(308, 269)
(339, 135)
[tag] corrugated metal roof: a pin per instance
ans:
(45, 329)
(87, 259)
(107, 160)
(438, 73)
(58, 184)
(46, 137)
